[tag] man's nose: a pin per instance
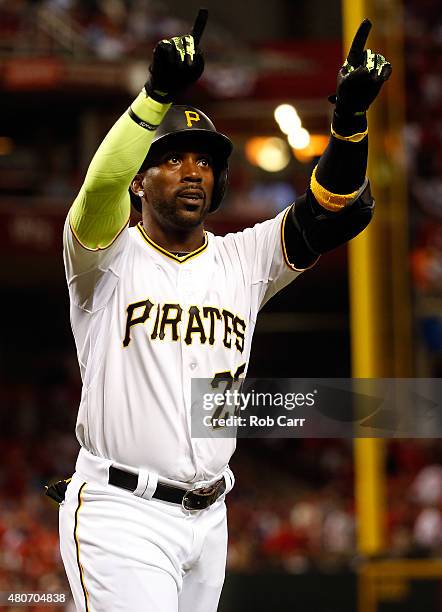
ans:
(191, 171)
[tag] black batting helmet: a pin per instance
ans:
(186, 123)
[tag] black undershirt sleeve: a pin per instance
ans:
(343, 165)
(340, 170)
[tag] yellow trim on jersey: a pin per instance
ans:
(327, 199)
(284, 250)
(352, 138)
(77, 547)
(98, 248)
(176, 258)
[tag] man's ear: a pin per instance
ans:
(137, 185)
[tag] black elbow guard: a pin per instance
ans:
(311, 229)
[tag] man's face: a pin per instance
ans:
(178, 188)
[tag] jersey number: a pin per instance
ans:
(233, 383)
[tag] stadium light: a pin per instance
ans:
(299, 139)
(269, 153)
(287, 118)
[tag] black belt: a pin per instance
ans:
(192, 499)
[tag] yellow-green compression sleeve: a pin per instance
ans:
(102, 207)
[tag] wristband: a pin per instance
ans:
(352, 138)
(327, 199)
(143, 124)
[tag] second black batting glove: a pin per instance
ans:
(361, 77)
(177, 63)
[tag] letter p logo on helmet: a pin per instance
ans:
(191, 116)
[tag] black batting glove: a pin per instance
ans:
(177, 63)
(361, 77)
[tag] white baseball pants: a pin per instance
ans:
(123, 553)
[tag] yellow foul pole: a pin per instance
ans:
(379, 291)
(366, 327)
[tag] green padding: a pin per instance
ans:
(102, 207)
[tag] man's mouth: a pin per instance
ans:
(191, 199)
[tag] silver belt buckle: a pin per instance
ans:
(202, 497)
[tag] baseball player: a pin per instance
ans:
(143, 519)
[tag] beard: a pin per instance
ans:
(176, 216)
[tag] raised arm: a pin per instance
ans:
(102, 207)
(338, 204)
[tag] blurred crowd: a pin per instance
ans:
(423, 63)
(108, 29)
(37, 446)
(423, 59)
(294, 507)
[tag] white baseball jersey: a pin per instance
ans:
(146, 321)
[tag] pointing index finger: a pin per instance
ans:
(200, 24)
(356, 53)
